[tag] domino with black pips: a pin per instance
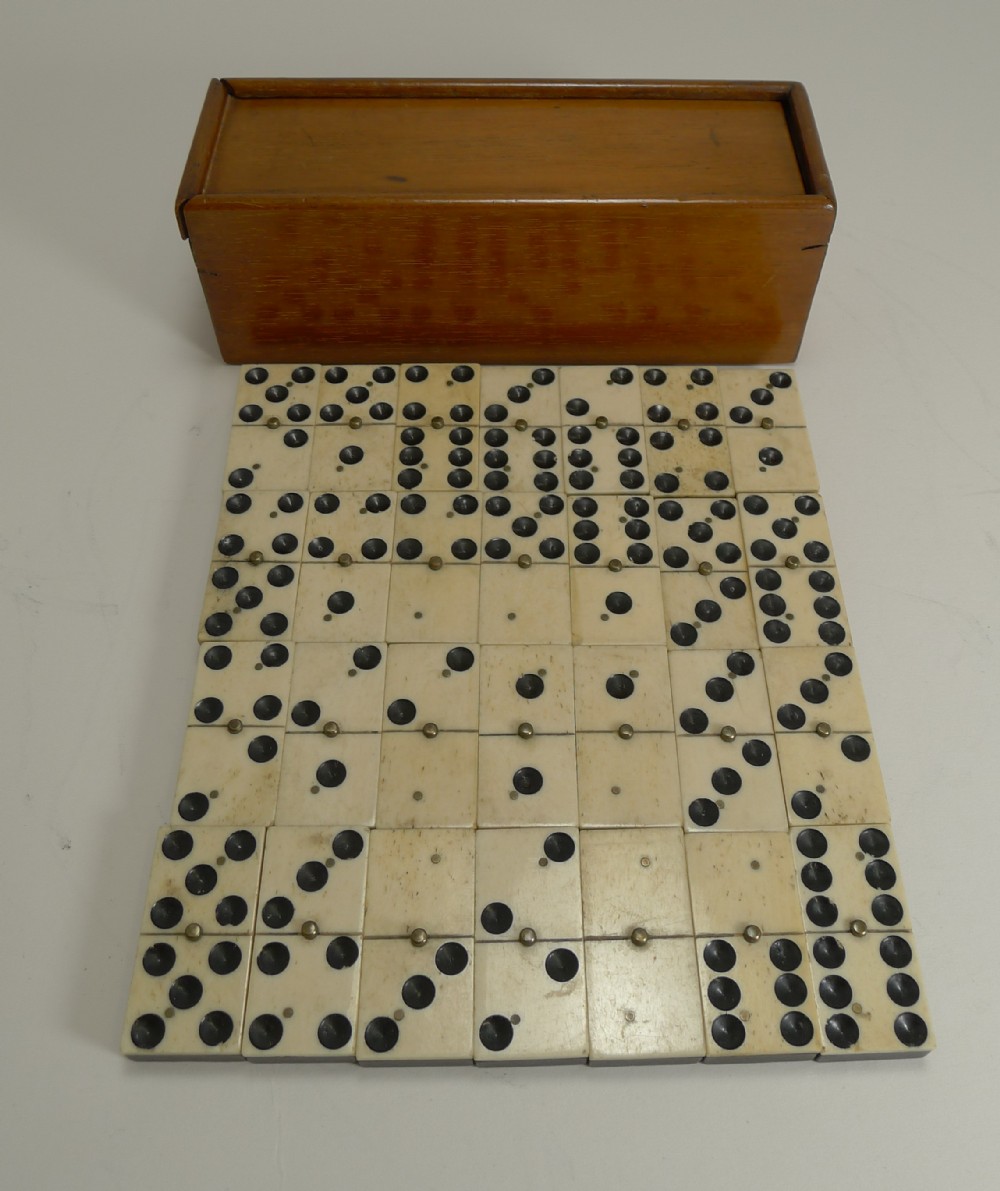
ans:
(719, 691)
(831, 779)
(436, 457)
(707, 610)
(352, 458)
(527, 684)
(261, 526)
(277, 393)
(337, 687)
(799, 606)
(302, 994)
(520, 526)
(698, 533)
(229, 775)
(433, 685)
(520, 391)
(302, 998)
(848, 878)
(688, 460)
(346, 603)
(243, 682)
(613, 606)
(530, 1003)
(762, 397)
(815, 689)
(757, 997)
(355, 526)
(870, 995)
(590, 392)
(204, 881)
(313, 880)
(416, 1001)
(246, 601)
(674, 394)
(528, 885)
(604, 459)
(360, 393)
(731, 783)
(449, 393)
(328, 778)
(519, 457)
(612, 529)
(437, 525)
(784, 527)
(527, 780)
(772, 459)
(429, 751)
(275, 458)
(187, 997)
(591, 729)
(615, 685)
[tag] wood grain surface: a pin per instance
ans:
(573, 222)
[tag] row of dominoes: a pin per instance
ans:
(494, 883)
(636, 922)
(557, 689)
(786, 530)
(684, 461)
(509, 604)
(348, 737)
(583, 430)
(491, 396)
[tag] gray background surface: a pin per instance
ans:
(114, 421)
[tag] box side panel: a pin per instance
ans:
(568, 282)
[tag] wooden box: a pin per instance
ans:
(364, 219)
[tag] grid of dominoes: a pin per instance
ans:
(527, 727)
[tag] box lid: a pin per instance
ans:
(652, 141)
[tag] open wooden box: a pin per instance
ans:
(503, 220)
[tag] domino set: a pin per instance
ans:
(527, 727)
